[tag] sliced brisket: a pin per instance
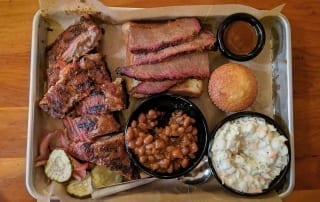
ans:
(153, 87)
(146, 37)
(194, 65)
(205, 40)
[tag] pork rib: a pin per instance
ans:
(87, 127)
(74, 42)
(111, 153)
(71, 88)
(81, 150)
(76, 81)
(93, 104)
(146, 37)
(205, 40)
(108, 97)
(115, 95)
(195, 65)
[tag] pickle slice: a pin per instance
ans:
(80, 189)
(58, 166)
(103, 177)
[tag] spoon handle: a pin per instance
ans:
(99, 193)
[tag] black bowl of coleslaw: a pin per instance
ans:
(249, 153)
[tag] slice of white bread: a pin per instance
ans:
(190, 87)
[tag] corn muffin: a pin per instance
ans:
(232, 87)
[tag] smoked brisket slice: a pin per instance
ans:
(194, 65)
(146, 37)
(74, 42)
(153, 87)
(91, 126)
(204, 41)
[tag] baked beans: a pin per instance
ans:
(163, 149)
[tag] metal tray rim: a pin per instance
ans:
(34, 52)
(33, 64)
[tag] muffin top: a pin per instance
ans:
(232, 87)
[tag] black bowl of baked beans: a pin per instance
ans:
(166, 136)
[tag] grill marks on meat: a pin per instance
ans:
(81, 150)
(96, 63)
(90, 126)
(111, 97)
(146, 37)
(154, 87)
(76, 81)
(205, 40)
(109, 152)
(74, 42)
(115, 95)
(74, 85)
(75, 77)
(195, 65)
(94, 104)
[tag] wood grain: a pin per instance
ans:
(15, 34)
(12, 183)
(13, 132)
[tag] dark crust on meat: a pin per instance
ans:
(107, 97)
(56, 61)
(73, 86)
(91, 126)
(81, 151)
(204, 41)
(93, 104)
(194, 65)
(111, 152)
(153, 87)
(76, 82)
(142, 37)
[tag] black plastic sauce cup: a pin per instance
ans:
(256, 25)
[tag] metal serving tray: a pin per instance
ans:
(281, 85)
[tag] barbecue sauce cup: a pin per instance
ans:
(277, 181)
(240, 37)
(168, 104)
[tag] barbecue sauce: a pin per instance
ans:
(240, 38)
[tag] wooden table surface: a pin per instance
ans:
(15, 37)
